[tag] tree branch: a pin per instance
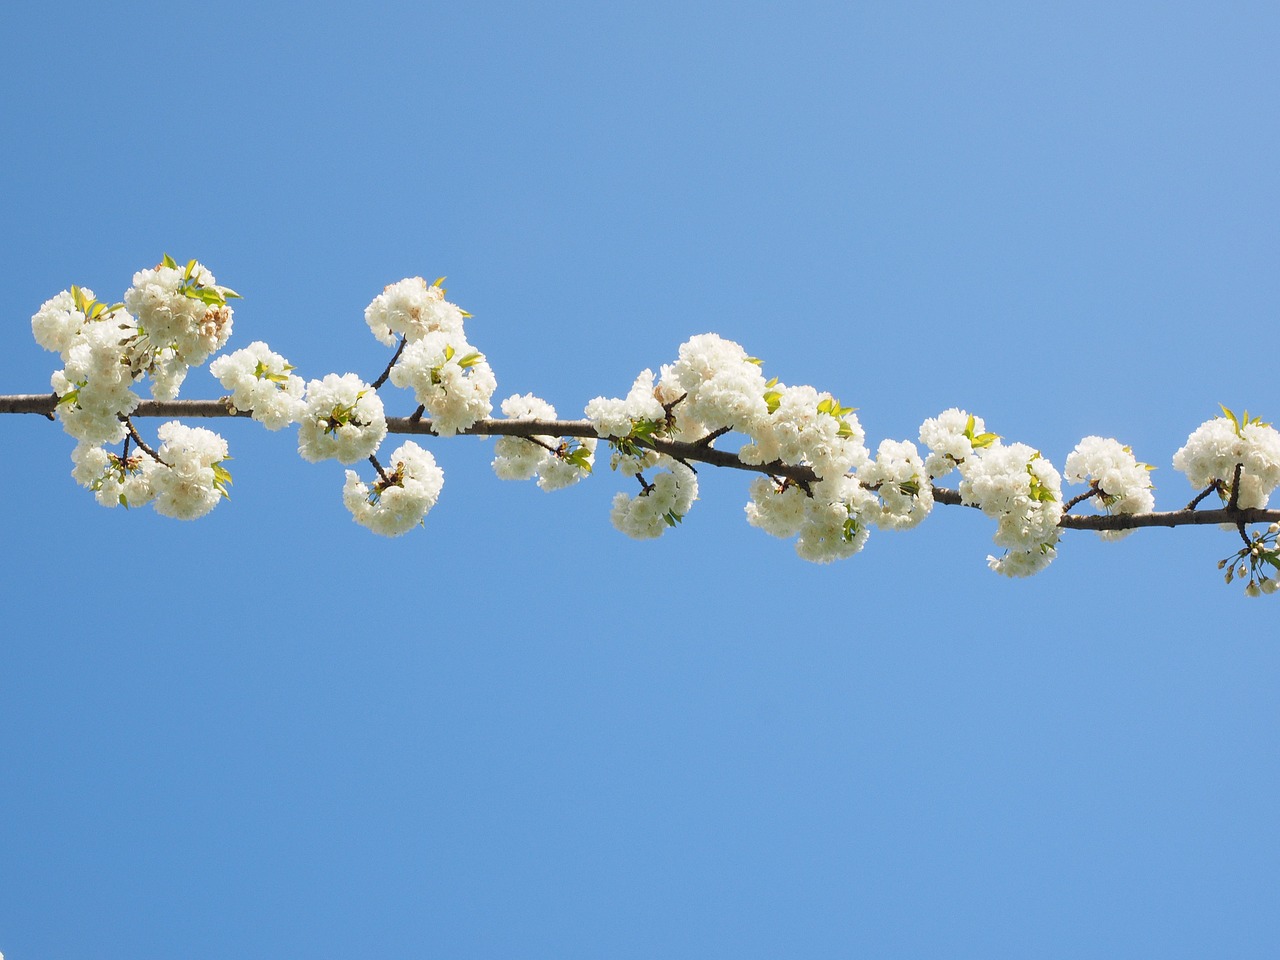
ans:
(46, 404)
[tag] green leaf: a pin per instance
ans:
(191, 266)
(850, 531)
(221, 478)
(471, 359)
(578, 457)
(448, 353)
(1038, 490)
(982, 439)
(756, 360)
(168, 261)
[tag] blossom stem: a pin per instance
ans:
(1076, 501)
(142, 444)
(387, 372)
(1195, 502)
(381, 472)
(1235, 488)
(710, 437)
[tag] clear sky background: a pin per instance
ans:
(518, 734)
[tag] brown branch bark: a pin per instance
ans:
(45, 404)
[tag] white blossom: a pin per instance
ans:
(94, 387)
(400, 501)
(114, 480)
(662, 504)
(807, 428)
(572, 463)
(1123, 484)
(1023, 563)
(1018, 488)
(949, 438)
(777, 509)
(263, 382)
(412, 308)
(556, 463)
(834, 525)
(449, 377)
(900, 483)
(190, 480)
(615, 417)
(58, 321)
(181, 308)
(1214, 449)
(724, 386)
(343, 420)
(520, 458)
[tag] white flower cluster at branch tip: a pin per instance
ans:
(661, 503)
(194, 479)
(412, 309)
(1212, 453)
(817, 481)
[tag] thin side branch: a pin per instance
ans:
(1195, 502)
(1076, 501)
(138, 441)
(387, 372)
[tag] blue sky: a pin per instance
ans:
(517, 733)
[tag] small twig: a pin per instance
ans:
(1216, 485)
(1076, 501)
(710, 437)
(387, 372)
(545, 446)
(382, 473)
(1234, 502)
(646, 488)
(668, 407)
(142, 444)
(692, 468)
(417, 414)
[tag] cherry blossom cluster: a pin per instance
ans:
(172, 318)
(817, 481)
(556, 462)
(1217, 449)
